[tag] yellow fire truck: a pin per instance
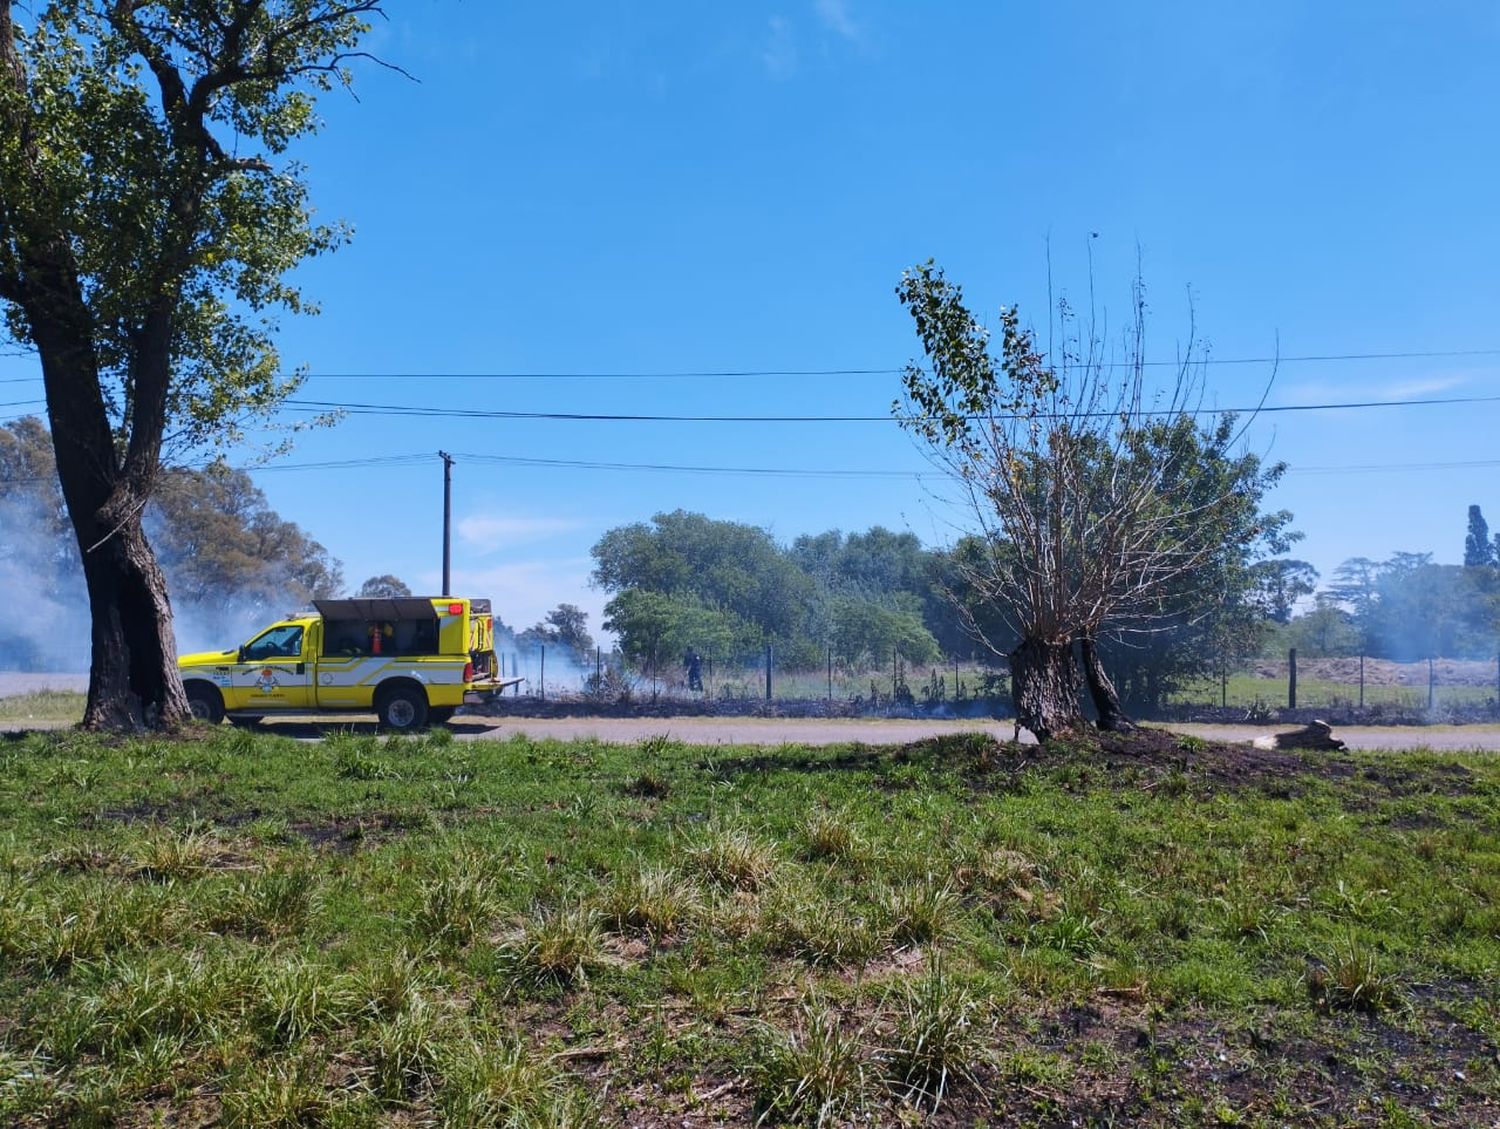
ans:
(410, 661)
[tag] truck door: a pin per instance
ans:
(274, 673)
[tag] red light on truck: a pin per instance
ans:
(455, 609)
(468, 672)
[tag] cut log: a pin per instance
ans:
(1315, 735)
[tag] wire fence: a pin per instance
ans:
(1431, 685)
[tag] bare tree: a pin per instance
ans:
(1095, 492)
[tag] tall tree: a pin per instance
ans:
(1096, 496)
(1478, 549)
(147, 221)
(1279, 584)
(564, 626)
(722, 564)
(386, 587)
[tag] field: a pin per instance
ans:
(1334, 684)
(246, 930)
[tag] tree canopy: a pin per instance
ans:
(149, 217)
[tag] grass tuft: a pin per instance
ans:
(297, 998)
(1351, 979)
(798, 921)
(555, 948)
(921, 913)
(499, 1082)
(734, 858)
(812, 1076)
(653, 899)
(404, 1052)
(829, 836)
(937, 1039)
(455, 908)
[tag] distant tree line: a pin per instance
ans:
(1406, 607)
(684, 581)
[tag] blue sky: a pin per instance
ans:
(677, 187)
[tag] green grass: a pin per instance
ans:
(1247, 690)
(43, 705)
(246, 930)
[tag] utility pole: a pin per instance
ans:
(447, 521)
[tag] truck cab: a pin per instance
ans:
(409, 660)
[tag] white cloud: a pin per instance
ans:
(523, 592)
(779, 55)
(836, 17)
(1421, 387)
(1341, 392)
(491, 532)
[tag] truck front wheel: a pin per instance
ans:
(403, 709)
(204, 703)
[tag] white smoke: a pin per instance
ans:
(44, 620)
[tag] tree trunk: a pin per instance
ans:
(1102, 691)
(1044, 687)
(133, 678)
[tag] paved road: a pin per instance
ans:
(780, 731)
(869, 731)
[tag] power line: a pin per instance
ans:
(680, 468)
(385, 462)
(714, 374)
(420, 411)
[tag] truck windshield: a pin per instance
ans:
(283, 642)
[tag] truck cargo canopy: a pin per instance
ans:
(381, 611)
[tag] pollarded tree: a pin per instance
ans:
(147, 221)
(1098, 498)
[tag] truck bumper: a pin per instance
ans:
(478, 695)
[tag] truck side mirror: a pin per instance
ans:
(241, 657)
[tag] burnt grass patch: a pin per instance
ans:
(1136, 929)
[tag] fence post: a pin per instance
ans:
(599, 669)
(1431, 680)
(1291, 679)
(768, 672)
(1361, 681)
(544, 673)
(830, 673)
(1223, 687)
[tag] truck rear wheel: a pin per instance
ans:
(204, 703)
(403, 709)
